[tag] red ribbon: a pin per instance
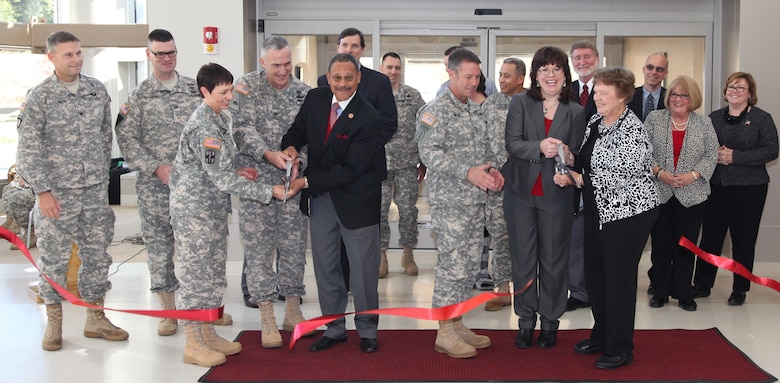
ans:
(729, 264)
(439, 313)
(205, 315)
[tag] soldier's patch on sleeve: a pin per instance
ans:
(242, 88)
(428, 119)
(212, 143)
(23, 106)
(124, 109)
(211, 153)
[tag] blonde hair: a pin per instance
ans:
(688, 85)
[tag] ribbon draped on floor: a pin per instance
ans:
(729, 264)
(439, 313)
(205, 315)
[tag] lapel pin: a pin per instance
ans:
(351, 116)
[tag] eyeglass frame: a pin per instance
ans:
(546, 71)
(684, 97)
(738, 89)
(161, 55)
(658, 69)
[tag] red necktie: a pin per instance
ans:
(584, 95)
(334, 115)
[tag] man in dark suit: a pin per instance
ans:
(376, 89)
(585, 61)
(343, 181)
(650, 96)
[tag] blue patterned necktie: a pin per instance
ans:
(649, 106)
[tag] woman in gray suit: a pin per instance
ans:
(538, 213)
(685, 152)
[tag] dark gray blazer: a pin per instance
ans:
(637, 104)
(524, 133)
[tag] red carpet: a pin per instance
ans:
(408, 356)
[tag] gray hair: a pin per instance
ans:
(519, 65)
(59, 37)
(273, 43)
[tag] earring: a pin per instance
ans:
(538, 85)
(564, 85)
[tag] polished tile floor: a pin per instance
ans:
(147, 357)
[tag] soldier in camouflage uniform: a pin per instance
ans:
(204, 175)
(147, 130)
(18, 201)
(510, 81)
(265, 104)
(452, 135)
(64, 154)
(403, 173)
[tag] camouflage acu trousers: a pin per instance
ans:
(18, 202)
(459, 238)
(276, 231)
(87, 220)
(154, 209)
(401, 187)
(499, 237)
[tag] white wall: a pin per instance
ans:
(758, 29)
(186, 19)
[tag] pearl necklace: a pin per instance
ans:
(683, 124)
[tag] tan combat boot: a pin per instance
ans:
(293, 314)
(196, 351)
(468, 336)
(225, 320)
(98, 326)
(52, 338)
(216, 342)
(407, 261)
(270, 337)
(383, 265)
(167, 326)
(11, 225)
(33, 241)
(496, 304)
(448, 342)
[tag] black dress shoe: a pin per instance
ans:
(586, 347)
(650, 290)
(547, 339)
(574, 303)
(249, 303)
(524, 338)
(737, 298)
(609, 362)
(701, 292)
(657, 302)
(369, 345)
(325, 343)
(687, 304)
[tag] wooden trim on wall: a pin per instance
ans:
(34, 36)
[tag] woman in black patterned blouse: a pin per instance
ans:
(620, 206)
(748, 141)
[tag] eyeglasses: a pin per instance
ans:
(738, 89)
(160, 55)
(683, 97)
(652, 67)
(546, 71)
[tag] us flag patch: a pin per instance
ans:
(428, 119)
(243, 89)
(125, 109)
(212, 143)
